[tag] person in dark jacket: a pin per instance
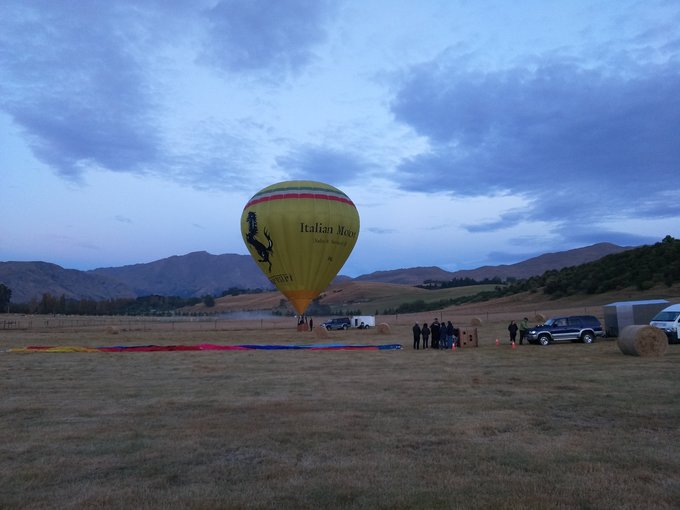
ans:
(449, 335)
(512, 329)
(416, 336)
(435, 329)
(425, 331)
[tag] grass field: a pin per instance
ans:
(368, 297)
(563, 426)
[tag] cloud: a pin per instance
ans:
(504, 221)
(324, 164)
(88, 83)
(256, 35)
(212, 157)
(73, 79)
(574, 142)
(380, 230)
(123, 219)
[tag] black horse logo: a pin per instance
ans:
(263, 251)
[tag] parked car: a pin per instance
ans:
(337, 323)
(584, 328)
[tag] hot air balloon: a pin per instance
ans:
(300, 234)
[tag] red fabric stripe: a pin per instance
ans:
(284, 196)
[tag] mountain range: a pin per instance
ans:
(200, 273)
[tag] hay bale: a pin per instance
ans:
(476, 321)
(383, 329)
(320, 332)
(646, 341)
(539, 318)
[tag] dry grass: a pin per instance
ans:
(566, 426)
(366, 296)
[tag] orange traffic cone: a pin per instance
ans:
(498, 342)
(513, 345)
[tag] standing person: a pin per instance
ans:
(435, 330)
(449, 335)
(416, 336)
(523, 328)
(512, 328)
(311, 324)
(442, 334)
(425, 331)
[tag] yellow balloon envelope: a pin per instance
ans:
(300, 233)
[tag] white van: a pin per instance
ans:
(668, 319)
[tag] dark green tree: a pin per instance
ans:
(5, 297)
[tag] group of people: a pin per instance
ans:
(443, 335)
(303, 324)
(513, 328)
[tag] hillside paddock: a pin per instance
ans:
(563, 426)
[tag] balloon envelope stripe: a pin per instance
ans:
(300, 189)
(311, 196)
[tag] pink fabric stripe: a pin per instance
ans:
(316, 196)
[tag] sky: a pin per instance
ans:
(467, 132)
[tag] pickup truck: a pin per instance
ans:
(584, 328)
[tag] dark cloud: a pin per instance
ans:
(507, 220)
(323, 164)
(78, 79)
(72, 81)
(123, 219)
(256, 35)
(575, 142)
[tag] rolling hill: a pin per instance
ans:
(193, 275)
(29, 280)
(531, 267)
(200, 273)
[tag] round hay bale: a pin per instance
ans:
(540, 318)
(476, 321)
(320, 332)
(383, 329)
(646, 341)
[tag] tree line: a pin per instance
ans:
(460, 282)
(640, 268)
(155, 305)
(147, 305)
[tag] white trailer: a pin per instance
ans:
(626, 313)
(368, 321)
